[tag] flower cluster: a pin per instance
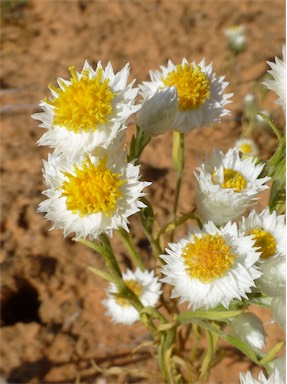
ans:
(233, 256)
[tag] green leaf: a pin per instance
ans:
(147, 215)
(189, 317)
(235, 341)
(272, 354)
(102, 274)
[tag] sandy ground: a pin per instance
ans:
(53, 323)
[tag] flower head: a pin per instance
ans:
(144, 284)
(247, 147)
(268, 231)
(278, 83)
(236, 38)
(201, 99)
(227, 185)
(88, 110)
(157, 113)
(211, 266)
(249, 328)
(94, 195)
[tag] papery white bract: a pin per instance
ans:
(157, 113)
(201, 98)
(144, 284)
(87, 111)
(249, 328)
(211, 266)
(278, 83)
(274, 378)
(227, 185)
(94, 195)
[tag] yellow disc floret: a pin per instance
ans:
(84, 104)
(208, 257)
(265, 241)
(192, 85)
(133, 285)
(232, 179)
(92, 189)
(246, 148)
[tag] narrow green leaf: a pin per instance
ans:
(188, 317)
(102, 274)
(271, 354)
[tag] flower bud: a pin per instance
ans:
(249, 328)
(157, 113)
(278, 306)
(273, 279)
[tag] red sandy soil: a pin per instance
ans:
(53, 325)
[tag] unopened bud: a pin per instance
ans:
(249, 328)
(157, 113)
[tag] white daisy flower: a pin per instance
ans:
(249, 328)
(94, 195)
(211, 266)
(274, 378)
(227, 185)
(157, 113)
(201, 99)
(88, 110)
(247, 147)
(278, 83)
(236, 38)
(144, 284)
(268, 231)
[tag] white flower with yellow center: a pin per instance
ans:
(278, 83)
(211, 266)
(227, 185)
(200, 94)
(94, 195)
(268, 230)
(144, 284)
(274, 378)
(236, 38)
(247, 147)
(88, 110)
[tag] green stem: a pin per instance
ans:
(178, 161)
(154, 244)
(105, 249)
(206, 363)
(129, 244)
(272, 125)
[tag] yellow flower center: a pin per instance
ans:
(92, 189)
(208, 257)
(135, 286)
(84, 104)
(245, 148)
(193, 87)
(265, 241)
(232, 179)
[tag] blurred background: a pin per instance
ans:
(53, 327)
